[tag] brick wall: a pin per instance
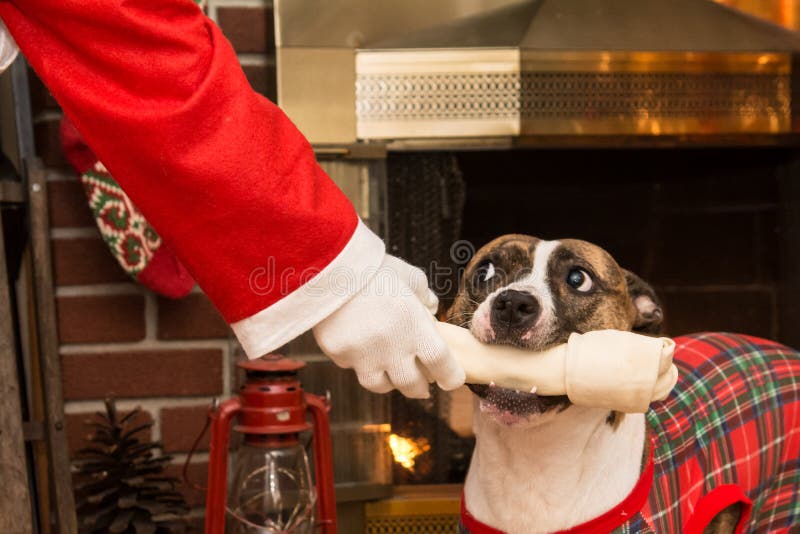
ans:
(171, 357)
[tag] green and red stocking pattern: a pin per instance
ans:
(133, 242)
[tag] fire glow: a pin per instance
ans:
(406, 450)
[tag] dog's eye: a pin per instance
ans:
(485, 271)
(580, 280)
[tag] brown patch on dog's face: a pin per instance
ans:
(509, 255)
(606, 304)
(522, 291)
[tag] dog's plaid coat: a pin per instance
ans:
(732, 421)
(729, 432)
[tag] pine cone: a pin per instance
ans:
(122, 488)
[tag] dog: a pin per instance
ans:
(721, 454)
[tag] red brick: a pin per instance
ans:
(249, 29)
(48, 144)
(85, 260)
(68, 206)
(181, 426)
(197, 474)
(262, 79)
(191, 317)
(79, 430)
(100, 318)
(152, 373)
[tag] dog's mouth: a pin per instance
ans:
(511, 406)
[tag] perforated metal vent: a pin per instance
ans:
(588, 94)
(456, 94)
(420, 524)
(438, 96)
(416, 512)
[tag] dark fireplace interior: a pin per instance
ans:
(706, 226)
(701, 225)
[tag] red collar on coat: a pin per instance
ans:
(607, 522)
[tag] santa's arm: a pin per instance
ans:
(232, 186)
(223, 175)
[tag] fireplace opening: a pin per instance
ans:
(705, 226)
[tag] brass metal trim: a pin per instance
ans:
(651, 62)
(412, 507)
(466, 60)
(773, 123)
(426, 94)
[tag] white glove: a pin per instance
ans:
(385, 333)
(602, 369)
(8, 48)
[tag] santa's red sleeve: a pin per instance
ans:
(221, 173)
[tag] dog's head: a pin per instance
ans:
(523, 291)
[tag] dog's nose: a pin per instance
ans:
(515, 308)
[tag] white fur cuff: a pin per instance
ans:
(309, 304)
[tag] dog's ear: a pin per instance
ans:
(649, 314)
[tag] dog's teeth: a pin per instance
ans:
(491, 384)
(516, 391)
(533, 389)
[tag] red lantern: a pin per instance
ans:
(271, 485)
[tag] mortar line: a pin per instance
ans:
(150, 317)
(721, 288)
(150, 404)
(180, 457)
(256, 59)
(75, 232)
(47, 115)
(147, 344)
(55, 175)
(121, 288)
(226, 369)
(716, 210)
(241, 3)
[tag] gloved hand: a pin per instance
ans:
(387, 335)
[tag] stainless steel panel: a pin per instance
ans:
(316, 89)
(633, 25)
(315, 59)
(353, 23)
(466, 70)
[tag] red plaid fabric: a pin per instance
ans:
(729, 432)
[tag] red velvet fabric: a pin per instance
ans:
(220, 172)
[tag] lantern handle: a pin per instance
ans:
(198, 439)
(319, 407)
(221, 417)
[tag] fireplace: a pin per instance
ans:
(672, 144)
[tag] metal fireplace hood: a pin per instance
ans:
(581, 67)
(462, 73)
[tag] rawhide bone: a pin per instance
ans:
(608, 369)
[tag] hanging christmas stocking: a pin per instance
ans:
(133, 242)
